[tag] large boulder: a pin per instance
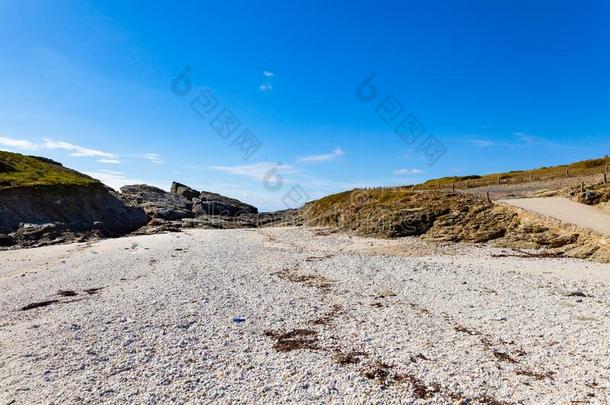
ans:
(215, 204)
(206, 203)
(184, 191)
(158, 203)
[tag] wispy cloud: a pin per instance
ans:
(324, 157)
(482, 143)
(77, 151)
(409, 172)
(529, 139)
(153, 157)
(18, 143)
(257, 170)
(268, 73)
(110, 161)
(522, 140)
(113, 179)
(265, 87)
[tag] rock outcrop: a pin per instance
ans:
(207, 203)
(158, 203)
(184, 207)
(42, 202)
(184, 191)
(183, 202)
(452, 217)
(215, 204)
(31, 215)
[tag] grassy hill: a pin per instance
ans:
(18, 170)
(578, 169)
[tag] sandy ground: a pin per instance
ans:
(303, 316)
(566, 211)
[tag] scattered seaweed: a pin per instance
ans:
(92, 291)
(420, 389)
(328, 317)
(379, 371)
(318, 258)
(352, 357)
(537, 376)
(489, 400)
(309, 280)
(67, 293)
(40, 304)
(463, 329)
(297, 339)
(502, 356)
(418, 356)
(382, 373)
(529, 255)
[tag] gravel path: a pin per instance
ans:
(294, 315)
(566, 211)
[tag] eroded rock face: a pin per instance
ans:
(158, 203)
(215, 204)
(36, 215)
(184, 207)
(454, 217)
(207, 203)
(76, 208)
(184, 191)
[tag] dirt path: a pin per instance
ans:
(566, 211)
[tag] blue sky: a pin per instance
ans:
(495, 85)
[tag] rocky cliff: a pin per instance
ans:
(43, 202)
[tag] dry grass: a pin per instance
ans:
(577, 169)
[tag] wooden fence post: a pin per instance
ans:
(582, 186)
(568, 171)
(530, 176)
(605, 178)
(487, 196)
(466, 183)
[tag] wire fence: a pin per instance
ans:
(486, 185)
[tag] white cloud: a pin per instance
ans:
(257, 170)
(153, 157)
(265, 87)
(267, 73)
(113, 179)
(482, 143)
(402, 172)
(110, 161)
(529, 139)
(323, 158)
(18, 143)
(77, 151)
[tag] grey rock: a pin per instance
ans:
(66, 208)
(184, 191)
(6, 240)
(216, 204)
(158, 203)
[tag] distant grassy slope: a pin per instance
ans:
(18, 170)
(578, 169)
(401, 212)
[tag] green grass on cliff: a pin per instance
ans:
(577, 169)
(18, 170)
